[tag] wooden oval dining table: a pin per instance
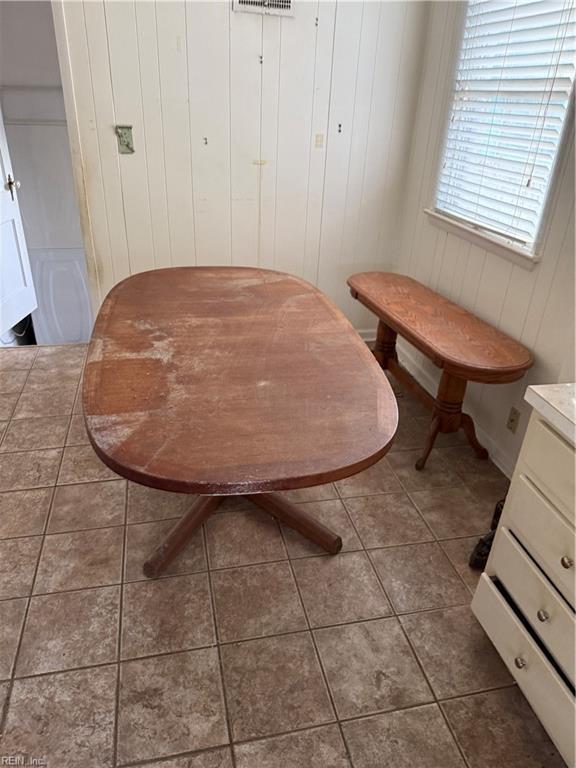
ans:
(232, 381)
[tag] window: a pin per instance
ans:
(511, 98)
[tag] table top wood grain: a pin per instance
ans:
(231, 380)
(453, 338)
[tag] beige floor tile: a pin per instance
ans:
(256, 600)
(64, 358)
(17, 359)
(147, 504)
(29, 469)
(213, 758)
(11, 618)
(331, 514)
(77, 434)
(35, 434)
(488, 490)
(314, 493)
(274, 685)
(88, 505)
(498, 729)
(316, 748)
(408, 738)
(24, 513)
(3, 427)
(40, 379)
(80, 559)
(419, 576)
(371, 668)
(455, 652)
(243, 538)
(70, 629)
(376, 479)
(7, 405)
(387, 520)
(170, 704)
(80, 727)
(410, 435)
(437, 473)
(340, 588)
(166, 615)
(143, 538)
(467, 464)
(48, 402)
(18, 558)
(458, 552)
(453, 512)
(12, 381)
(81, 465)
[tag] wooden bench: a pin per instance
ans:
(463, 346)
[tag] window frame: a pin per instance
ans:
(494, 242)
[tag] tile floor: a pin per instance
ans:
(255, 650)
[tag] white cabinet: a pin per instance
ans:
(525, 599)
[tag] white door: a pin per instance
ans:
(17, 294)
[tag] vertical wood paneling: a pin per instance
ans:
(239, 156)
(322, 83)
(272, 35)
(345, 59)
(172, 57)
(362, 110)
(296, 89)
(97, 41)
(208, 35)
(152, 110)
(125, 74)
(245, 93)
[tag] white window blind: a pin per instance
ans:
(511, 97)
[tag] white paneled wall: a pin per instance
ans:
(280, 142)
(536, 307)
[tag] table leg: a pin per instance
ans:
(295, 517)
(468, 427)
(180, 535)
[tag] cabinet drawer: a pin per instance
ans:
(549, 696)
(541, 605)
(551, 461)
(546, 534)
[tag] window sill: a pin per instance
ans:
(492, 243)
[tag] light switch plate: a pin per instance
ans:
(125, 141)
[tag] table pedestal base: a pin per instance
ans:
(274, 504)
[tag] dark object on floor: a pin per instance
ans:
(463, 346)
(479, 555)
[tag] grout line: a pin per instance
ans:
(4, 718)
(218, 645)
(119, 638)
(319, 662)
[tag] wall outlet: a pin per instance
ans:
(513, 419)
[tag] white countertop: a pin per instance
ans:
(557, 404)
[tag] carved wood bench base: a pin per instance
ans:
(446, 408)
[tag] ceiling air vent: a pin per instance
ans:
(272, 7)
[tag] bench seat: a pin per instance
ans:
(465, 347)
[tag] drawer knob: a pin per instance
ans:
(566, 562)
(543, 615)
(519, 662)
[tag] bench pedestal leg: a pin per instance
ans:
(448, 416)
(385, 347)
